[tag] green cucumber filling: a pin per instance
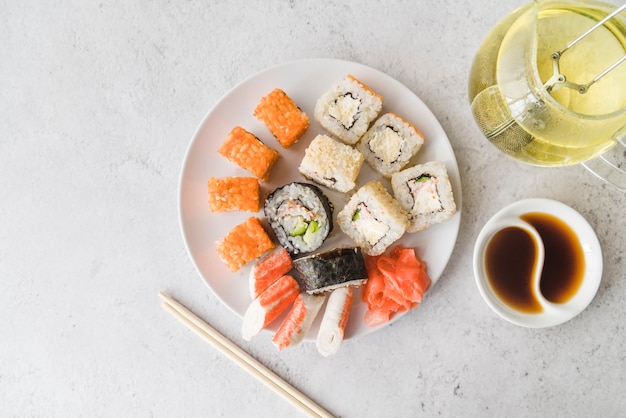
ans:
(299, 229)
(305, 229)
(309, 234)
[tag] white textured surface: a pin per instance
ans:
(98, 102)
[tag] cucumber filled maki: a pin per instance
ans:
(300, 215)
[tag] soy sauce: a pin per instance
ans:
(511, 257)
(564, 265)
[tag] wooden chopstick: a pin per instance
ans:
(242, 358)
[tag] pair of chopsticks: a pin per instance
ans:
(243, 359)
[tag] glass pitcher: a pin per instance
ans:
(548, 88)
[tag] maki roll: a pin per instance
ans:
(244, 243)
(390, 143)
(424, 191)
(300, 215)
(331, 163)
(234, 194)
(373, 218)
(347, 109)
(285, 120)
(248, 152)
(331, 269)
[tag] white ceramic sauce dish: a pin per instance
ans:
(550, 313)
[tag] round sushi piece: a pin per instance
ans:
(373, 218)
(330, 270)
(300, 215)
(347, 109)
(425, 192)
(390, 143)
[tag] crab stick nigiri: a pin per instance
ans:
(269, 305)
(269, 269)
(298, 321)
(330, 335)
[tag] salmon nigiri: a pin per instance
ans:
(269, 305)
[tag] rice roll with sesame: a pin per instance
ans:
(331, 269)
(285, 120)
(347, 109)
(424, 191)
(332, 164)
(390, 143)
(373, 218)
(300, 215)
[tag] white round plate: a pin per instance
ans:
(553, 314)
(304, 81)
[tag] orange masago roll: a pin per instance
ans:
(244, 243)
(285, 120)
(233, 194)
(248, 152)
(269, 305)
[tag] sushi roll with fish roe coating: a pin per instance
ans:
(248, 152)
(285, 120)
(244, 243)
(347, 109)
(234, 194)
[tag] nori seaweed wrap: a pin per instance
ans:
(300, 215)
(331, 269)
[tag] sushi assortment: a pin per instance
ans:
(291, 274)
(306, 284)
